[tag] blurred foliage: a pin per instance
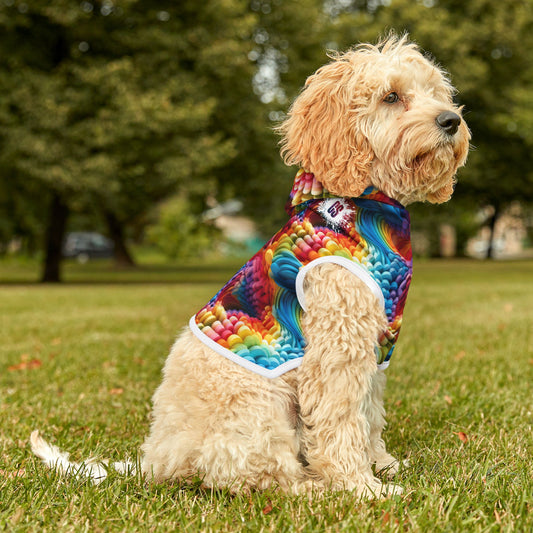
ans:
(179, 233)
(428, 219)
(113, 106)
(103, 103)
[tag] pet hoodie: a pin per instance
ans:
(255, 319)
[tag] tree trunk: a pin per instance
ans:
(55, 233)
(492, 226)
(122, 255)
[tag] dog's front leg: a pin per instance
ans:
(386, 464)
(341, 325)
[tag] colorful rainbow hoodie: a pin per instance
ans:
(255, 319)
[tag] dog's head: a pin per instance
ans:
(379, 115)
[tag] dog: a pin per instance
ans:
(279, 380)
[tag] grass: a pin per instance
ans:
(81, 360)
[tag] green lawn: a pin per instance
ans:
(81, 360)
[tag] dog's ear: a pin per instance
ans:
(322, 133)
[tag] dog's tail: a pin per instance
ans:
(95, 471)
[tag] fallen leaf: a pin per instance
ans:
(398, 403)
(56, 341)
(460, 355)
(267, 509)
(508, 307)
(463, 437)
(385, 518)
(116, 391)
(25, 365)
(138, 361)
(447, 399)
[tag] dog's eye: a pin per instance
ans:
(391, 98)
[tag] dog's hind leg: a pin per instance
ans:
(254, 445)
(229, 426)
(341, 325)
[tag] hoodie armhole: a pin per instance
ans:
(352, 266)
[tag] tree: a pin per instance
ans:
(111, 107)
(286, 45)
(104, 105)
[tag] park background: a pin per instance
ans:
(152, 123)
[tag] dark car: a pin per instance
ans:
(87, 245)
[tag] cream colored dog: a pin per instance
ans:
(377, 116)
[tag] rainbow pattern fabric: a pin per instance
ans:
(255, 319)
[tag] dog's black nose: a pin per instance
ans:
(449, 122)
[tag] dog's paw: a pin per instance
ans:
(379, 490)
(389, 466)
(393, 490)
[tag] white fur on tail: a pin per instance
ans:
(54, 458)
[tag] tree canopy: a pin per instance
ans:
(109, 107)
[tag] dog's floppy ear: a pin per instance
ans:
(322, 134)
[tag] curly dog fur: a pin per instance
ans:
(374, 115)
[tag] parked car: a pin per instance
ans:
(83, 246)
